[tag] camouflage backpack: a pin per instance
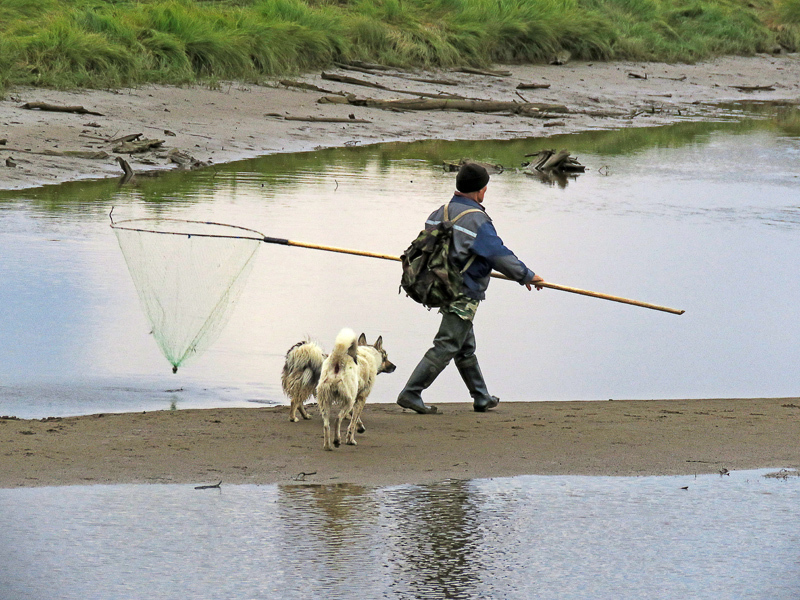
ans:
(429, 277)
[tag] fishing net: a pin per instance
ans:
(188, 275)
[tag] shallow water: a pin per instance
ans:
(731, 537)
(701, 217)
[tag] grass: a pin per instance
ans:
(112, 43)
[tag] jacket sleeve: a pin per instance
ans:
(488, 245)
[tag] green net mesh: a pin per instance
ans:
(188, 275)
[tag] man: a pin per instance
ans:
(477, 247)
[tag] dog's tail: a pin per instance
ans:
(303, 366)
(345, 348)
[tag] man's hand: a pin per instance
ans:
(536, 279)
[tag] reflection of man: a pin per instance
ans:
(476, 249)
(438, 548)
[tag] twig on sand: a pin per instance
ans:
(208, 487)
(55, 108)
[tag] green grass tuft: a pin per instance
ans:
(108, 43)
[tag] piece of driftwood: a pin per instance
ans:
(126, 138)
(307, 86)
(87, 154)
(681, 78)
(56, 108)
(453, 166)
(209, 487)
(632, 75)
(355, 81)
(368, 65)
(488, 72)
(462, 105)
(550, 160)
(533, 86)
(351, 80)
(185, 161)
(319, 119)
(754, 88)
(554, 168)
(137, 146)
(126, 170)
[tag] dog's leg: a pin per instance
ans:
(337, 440)
(296, 403)
(326, 426)
(303, 412)
(355, 420)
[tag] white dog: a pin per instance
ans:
(346, 380)
(300, 376)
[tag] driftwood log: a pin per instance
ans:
(318, 119)
(488, 72)
(550, 160)
(378, 86)
(533, 86)
(754, 88)
(136, 146)
(463, 105)
(307, 86)
(126, 170)
(56, 108)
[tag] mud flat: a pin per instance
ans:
(238, 121)
(261, 446)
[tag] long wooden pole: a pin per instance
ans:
(552, 286)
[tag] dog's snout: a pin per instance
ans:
(388, 367)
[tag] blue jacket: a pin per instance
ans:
(474, 234)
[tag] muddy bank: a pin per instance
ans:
(238, 121)
(261, 446)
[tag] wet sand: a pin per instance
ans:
(261, 446)
(238, 121)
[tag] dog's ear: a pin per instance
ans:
(379, 343)
(362, 340)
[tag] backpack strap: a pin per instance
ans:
(461, 214)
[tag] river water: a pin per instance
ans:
(712, 537)
(702, 217)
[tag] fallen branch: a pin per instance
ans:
(137, 147)
(462, 105)
(307, 86)
(533, 86)
(126, 169)
(208, 487)
(55, 108)
(354, 81)
(754, 88)
(487, 72)
(681, 78)
(319, 119)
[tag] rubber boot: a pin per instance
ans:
(422, 377)
(470, 372)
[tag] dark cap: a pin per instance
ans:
(471, 178)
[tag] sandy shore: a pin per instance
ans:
(238, 121)
(261, 446)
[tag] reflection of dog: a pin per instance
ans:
(347, 377)
(300, 376)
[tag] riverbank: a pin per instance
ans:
(237, 121)
(261, 446)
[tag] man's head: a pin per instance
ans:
(471, 178)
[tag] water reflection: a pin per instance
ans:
(605, 538)
(436, 540)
